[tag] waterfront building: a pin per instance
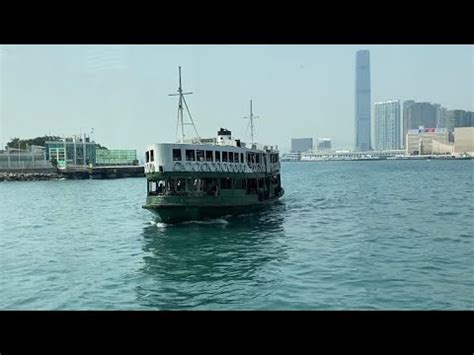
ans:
(76, 150)
(291, 157)
(362, 101)
(464, 140)
(351, 156)
(387, 125)
(34, 157)
(324, 144)
(420, 141)
(108, 157)
(299, 145)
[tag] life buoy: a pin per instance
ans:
(205, 167)
(178, 166)
(231, 168)
(224, 167)
(188, 166)
(213, 166)
(196, 166)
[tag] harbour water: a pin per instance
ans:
(346, 235)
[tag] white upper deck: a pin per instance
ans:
(221, 154)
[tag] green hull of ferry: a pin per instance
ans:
(171, 209)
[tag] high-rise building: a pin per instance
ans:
(299, 145)
(387, 125)
(459, 118)
(440, 116)
(406, 104)
(324, 144)
(362, 101)
(416, 114)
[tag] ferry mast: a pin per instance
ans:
(251, 118)
(180, 116)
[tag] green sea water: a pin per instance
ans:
(346, 235)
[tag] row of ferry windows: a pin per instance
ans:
(207, 155)
(231, 157)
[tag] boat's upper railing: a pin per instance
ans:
(254, 146)
(263, 147)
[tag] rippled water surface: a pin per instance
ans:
(347, 235)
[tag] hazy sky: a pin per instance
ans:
(298, 91)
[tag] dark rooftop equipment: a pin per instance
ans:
(224, 132)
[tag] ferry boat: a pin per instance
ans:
(201, 178)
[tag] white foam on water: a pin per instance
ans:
(161, 225)
(208, 221)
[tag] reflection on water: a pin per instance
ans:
(196, 264)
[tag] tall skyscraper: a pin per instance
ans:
(387, 125)
(362, 101)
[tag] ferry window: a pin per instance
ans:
(190, 155)
(238, 183)
(226, 183)
(257, 158)
(236, 157)
(276, 158)
(208, 155)
(176, 154)
(147, 155)
(248, 159)
(224, 156)
(252, 186)
(180, 186)
(160, 188)
(151, 155)
(218, 156)
(241, 157)
(200, 155)
(231, 157)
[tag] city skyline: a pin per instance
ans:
(122, 91)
